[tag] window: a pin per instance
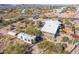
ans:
(28, 40)
(25, 39)
(32, 40)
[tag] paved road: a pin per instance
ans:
(75, 50)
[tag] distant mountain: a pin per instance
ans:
(34, 5)
(6, 5)
(46, 5)
(13, 5)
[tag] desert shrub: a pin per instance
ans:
(65, 39)
(71, 8)
(33, 30)
(47, 47)
(15, 49)
(59, 48)
(64, 45)
(67, 22)
(70, 41)
(75, 41)
(50, 48)
(77, 28)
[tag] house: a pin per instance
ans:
(26, 37)
(51, 28)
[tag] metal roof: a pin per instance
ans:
(58, 10)
(51, 26)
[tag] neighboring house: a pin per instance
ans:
(24, 11)
(36, 17)
(51, 28)
(36, 20)
(26, 37)
(58, 10)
